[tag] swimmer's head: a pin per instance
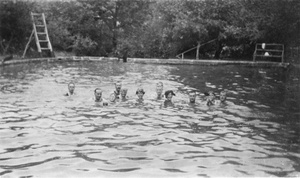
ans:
(211, 93)
(98, 94)
(169, 94)
(192, 97)
(223, 96)
(124, 92)
(210, 96)
(71, 87)
(159, 88)
(140, 93)
(118, 86)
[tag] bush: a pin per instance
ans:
(60, 37)
(15, 26)
(84, 46)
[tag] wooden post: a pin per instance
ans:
(282, 58)
(46, 31)
(182, 56)
(30, 38)
(35, 34)
(197, 53)
(254, 54)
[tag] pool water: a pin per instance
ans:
(45, 134)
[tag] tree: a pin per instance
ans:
(154, 28)
(15, 25)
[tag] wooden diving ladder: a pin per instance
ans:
(40, 33)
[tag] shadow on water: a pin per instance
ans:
(43, 133)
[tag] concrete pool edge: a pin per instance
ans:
(152, 61)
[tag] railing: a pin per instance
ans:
(269, 50)
(198, 46)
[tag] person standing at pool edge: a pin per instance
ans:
(71, 88)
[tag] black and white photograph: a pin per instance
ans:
(149, 88)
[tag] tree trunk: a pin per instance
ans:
(218, 50)
(5, 47)
(125, 55)
(114, 30)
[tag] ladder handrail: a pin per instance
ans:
(271, 44)
(186, 51)
(35, 34)
(195, 47)
(30, 38)
(46, 31)
(282, 59)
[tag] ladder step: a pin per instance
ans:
(37, 14)
(268, 56)
(45, 48)
(41, 33)
(40, 25)
(43, 41)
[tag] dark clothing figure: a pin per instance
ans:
(125, 56)
(159, 97)
(168, 103)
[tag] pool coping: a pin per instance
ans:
(204, 62)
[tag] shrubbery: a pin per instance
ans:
(158, 29)
(84, 46)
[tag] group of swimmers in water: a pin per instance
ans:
(120, 95)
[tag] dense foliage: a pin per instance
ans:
(156, 28)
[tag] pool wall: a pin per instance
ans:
(152, 61)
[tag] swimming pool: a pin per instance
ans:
(45, 134)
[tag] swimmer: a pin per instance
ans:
(222, 98)
(192, 97)
(98, 97)
(123, 94)
(116, 95)
(191, 102)
(71, 88)
(210, 99)
(140, 93)
(159, 90)
(118, 86)
(169, 95)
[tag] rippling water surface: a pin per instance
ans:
(45, 134)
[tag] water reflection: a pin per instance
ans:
(44, 134)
